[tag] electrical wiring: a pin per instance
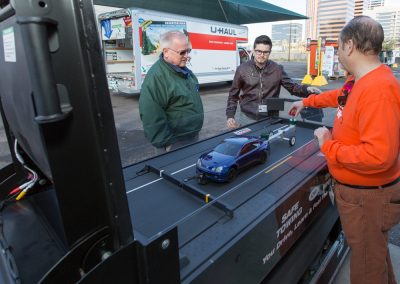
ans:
(19, 157)
(16, 194)
(23, 189)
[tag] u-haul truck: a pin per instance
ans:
(131, 46)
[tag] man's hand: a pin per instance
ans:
(231, 123)
(322, 134)
(313, 90)
(296, 108)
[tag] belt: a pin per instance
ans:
(371, 187)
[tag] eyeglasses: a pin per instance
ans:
(262, 52)
(346, 89)
(182, 52)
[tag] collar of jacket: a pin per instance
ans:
(258, 68)
(182, 70)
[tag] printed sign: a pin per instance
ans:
(328, 60)
(323, 43)
(338, 70)
(115, 28)
(9, 45)
(217, 43)
(150, 31)
(242, 131)
(296, 214)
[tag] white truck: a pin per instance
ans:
(130, 39)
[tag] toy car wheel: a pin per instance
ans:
(263, 157)
(232, 174)
(202, 179)
(292, 140)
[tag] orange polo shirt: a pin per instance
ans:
(365, 144)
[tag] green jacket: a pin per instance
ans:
(170, 105)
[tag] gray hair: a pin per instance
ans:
(366, 33)
(167, 38)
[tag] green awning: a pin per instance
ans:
(231, 11)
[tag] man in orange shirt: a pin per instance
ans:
(362, 152)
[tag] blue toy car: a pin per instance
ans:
(231, 156)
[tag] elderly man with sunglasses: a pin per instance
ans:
(257, 80)
(362, 152)
(170, 106)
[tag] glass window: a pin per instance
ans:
(248, 148)
(228, 148)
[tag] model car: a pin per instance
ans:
(286, 132)
(232, 155)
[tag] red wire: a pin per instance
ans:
(14, 191)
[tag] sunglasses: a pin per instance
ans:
(182, 52)
(346, 89)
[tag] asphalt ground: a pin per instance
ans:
(134, 147)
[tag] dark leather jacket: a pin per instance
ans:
(251, 85)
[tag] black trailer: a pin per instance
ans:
(69, 213)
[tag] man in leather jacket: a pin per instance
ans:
(257, 80)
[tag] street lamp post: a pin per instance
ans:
(290, 38)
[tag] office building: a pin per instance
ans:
(389, 18)
(327, 18)
(285, 33)
(359, 7)
(312, 22)
(375, 3)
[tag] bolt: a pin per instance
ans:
(165, 244)
(105, 255)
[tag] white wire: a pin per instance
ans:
(34, 179)
(31, 182)
(19, 157)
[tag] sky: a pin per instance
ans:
(298, 6)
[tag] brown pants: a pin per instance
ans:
(366, 216)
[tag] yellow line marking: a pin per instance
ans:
(278, 164)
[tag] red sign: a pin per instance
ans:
(213, 42)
